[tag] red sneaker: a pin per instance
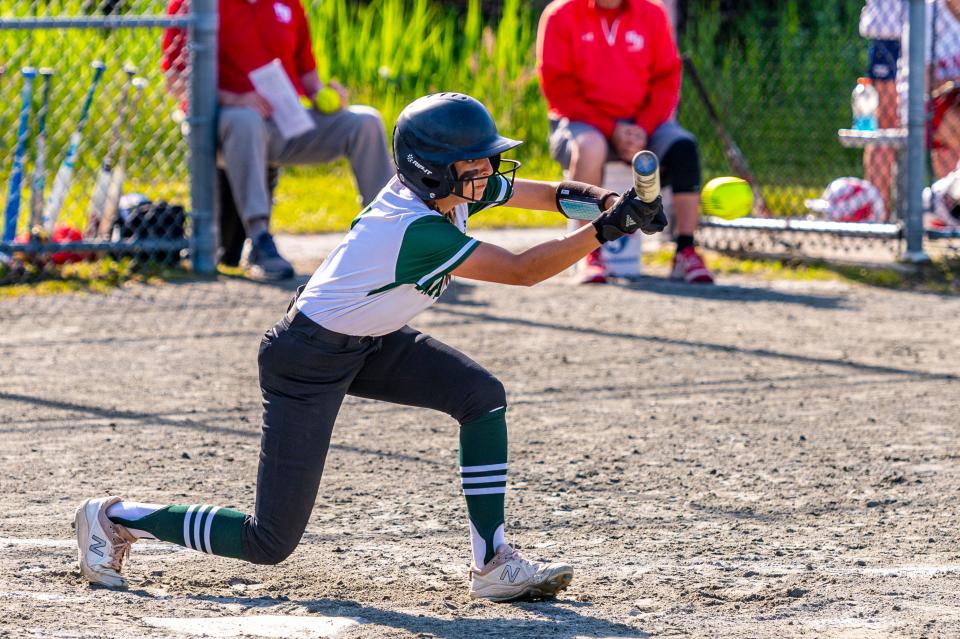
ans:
(689, 267)
(592, 271)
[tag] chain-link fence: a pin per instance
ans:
(781, 78)
(812, 104)
(96, 163)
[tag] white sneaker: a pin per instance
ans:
(510, 576)
(103, 546)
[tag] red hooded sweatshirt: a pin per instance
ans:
(599, 66)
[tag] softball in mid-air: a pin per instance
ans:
(727, 198)
(327, 100)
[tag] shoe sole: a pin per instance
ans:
(546, 590)
(261, 276)
(83, 536)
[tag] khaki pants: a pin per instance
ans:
(248, 143)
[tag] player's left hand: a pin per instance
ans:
(628, 215)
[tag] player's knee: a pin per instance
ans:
(368, 119)
(681, 166)
(272, 555)
(588, 147)
(484, 394)
(266, 548)
(241, 121)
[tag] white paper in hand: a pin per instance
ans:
(272, 83)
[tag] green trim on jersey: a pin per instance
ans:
(431, 248)
(365, 210)
(499, 190)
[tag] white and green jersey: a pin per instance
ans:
(394, 263)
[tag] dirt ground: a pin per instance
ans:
(758, 459)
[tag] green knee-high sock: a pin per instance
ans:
(483, 471)
(209, 529)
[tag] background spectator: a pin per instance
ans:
(611, 73)
(252, 34)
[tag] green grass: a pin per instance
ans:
(324, 199)
(85, 277)
(780, 78)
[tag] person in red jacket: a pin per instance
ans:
(252, 34)
(610, 72)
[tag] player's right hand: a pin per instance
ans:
(628, 215)
(628, 139)
(252, 100)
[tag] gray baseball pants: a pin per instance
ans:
(248, 143)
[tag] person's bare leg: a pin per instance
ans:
(948, 133)
(588, 154)
(878, 160)
(686, 213)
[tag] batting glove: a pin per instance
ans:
(628, 215)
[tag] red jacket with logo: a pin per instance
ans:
(599, 71)
(251, 35)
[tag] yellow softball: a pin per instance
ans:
(327, 100)
(727, 198)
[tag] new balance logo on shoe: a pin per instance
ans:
(96, 548)
(510, 575)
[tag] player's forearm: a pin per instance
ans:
(311, 84)
(534, 195)
(545, 260)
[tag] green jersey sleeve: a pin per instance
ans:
(498, 191)
(431, 248)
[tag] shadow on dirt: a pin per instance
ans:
(186, 419)
(733, 293)
(558, 619)
(763, 353)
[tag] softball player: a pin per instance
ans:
(346, 333)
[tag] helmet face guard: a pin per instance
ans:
(509, 174)
(434, 132)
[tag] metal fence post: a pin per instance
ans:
(203, 104)
(916, 132)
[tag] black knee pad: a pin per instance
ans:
(681, 166)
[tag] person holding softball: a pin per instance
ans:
(347, 332)
(252, 34)
(610, 72)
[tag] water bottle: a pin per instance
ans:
(865, 101)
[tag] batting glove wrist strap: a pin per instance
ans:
(579, 200)
(628, 215)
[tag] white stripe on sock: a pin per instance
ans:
(186, 527)
(206, 533)
(497, 408)
(483, 480)
(196, 526)
(480, 469)
(484, 491)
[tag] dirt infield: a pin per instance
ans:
(752, 460)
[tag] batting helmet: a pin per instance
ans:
(850, 199)
(437, 130)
